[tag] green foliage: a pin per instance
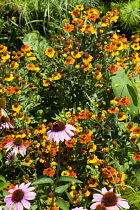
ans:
(122, 86)
(129, 15)
(62, 204)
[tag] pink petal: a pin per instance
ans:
(22, 150)
(29, 195)
(111, 190)
(104, 190)
(25, 203)
(112, 208)
(56, 137)
(18, 206)
(93, 206)
(15, 150)
(97, 197)
(70, 127)
(123, 203)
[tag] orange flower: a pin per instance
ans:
(41, 129)
(84, 138)
(5, 140)
(108, 172)
(86, 66)
(136, 131)
(75, 13)
(49, 171)
(50, 52)
(72, 173)
(124, 101)
(70, 60)
(109, 47)
(92, 14)
(68, 27)
(136, 156)
(71, 142)
(113, 110)
(9, 90)
(3, 48)
(112, 68)
(25, 48)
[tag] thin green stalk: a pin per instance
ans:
(57, 177)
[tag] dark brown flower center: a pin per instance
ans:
(18, 141)
(17, 195)
(58, 126)
(100, 207)
(109, 199)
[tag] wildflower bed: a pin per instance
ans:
(69, 117)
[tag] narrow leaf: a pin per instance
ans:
(43, 181)
(62, 188)
(61, 203)
(69, 179)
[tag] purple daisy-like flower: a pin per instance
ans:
(17, 146)
(19, 196)
(61, 131)
(109, 199)
(10, 158)
(6, 125)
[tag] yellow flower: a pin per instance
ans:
(65, 173)
(27, 120)
(92, 147)
(27, 161)
(50, 52)
(92, 159)
(80, 7)
(121, 116)
(14, 65)
(76, 54)
(9, 76)
(46, 82)
(16, 107)
(56, 76)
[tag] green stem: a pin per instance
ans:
(21, 168)
(57, 177)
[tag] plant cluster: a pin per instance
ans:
(69, 116)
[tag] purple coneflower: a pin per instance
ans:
(6, 125)
(17, 145)
(61, 132)
(10, 158)
(19, 196)
(109, 199)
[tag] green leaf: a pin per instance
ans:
(125, 88)
(62, 188)
(3, 185)
(61, 203)
(37, 42)
(43, 181)
(2, 178)
(69, 179)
